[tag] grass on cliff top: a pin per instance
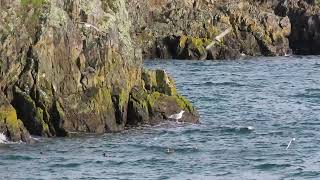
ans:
(34, 3)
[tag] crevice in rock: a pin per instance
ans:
(304, 38)
(57, 119)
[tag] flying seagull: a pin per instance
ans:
(177, 116)
(293, 139)
(87, 25)
(219, 38)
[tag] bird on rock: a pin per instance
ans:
(177, 116)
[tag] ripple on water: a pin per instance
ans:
(210, 84)
(277, 96)
(65, 165)
(238, 129)
(18, 158)
(271, 166)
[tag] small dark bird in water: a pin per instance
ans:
(169, 151)
(41, 152)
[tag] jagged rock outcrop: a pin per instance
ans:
(157, 99)
(305, 19)
(70, 66)
(183, 28)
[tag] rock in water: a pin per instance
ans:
(59, 76)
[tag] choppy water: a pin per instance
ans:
(279, 97)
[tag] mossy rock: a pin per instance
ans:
(10, 125)
(159, 81)
(138, 107)
(33, 13)
(157, 100)
(31, 115)
(120, 98)
(33, 3)
(192, 48)
(161, 106)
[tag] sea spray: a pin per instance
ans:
(3, 138)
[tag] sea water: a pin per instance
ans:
(250, 110)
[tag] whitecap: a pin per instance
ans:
(3, 138)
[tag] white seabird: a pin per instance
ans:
(293, 139)
(177, 116)
(251, 128)
(87, 25)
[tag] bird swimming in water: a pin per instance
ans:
(177, 116)
(293, 139)
(169, 151)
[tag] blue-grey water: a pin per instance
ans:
(279, 97)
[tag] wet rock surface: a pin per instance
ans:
(70, 66)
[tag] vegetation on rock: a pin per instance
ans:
(71, 66)
(181, 28)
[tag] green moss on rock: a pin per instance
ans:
(33, 3)
(9, 117)
(157, 100)
(159, 81)
(31, 115)
(193, 47)
(11, 126)
(39, 118)
(152, 99)
(185, 104)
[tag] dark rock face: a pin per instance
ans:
(71, 66)
(183, 28)
(305, 19)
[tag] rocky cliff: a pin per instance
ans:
(305, 19)
(70, 66)
(182, 29)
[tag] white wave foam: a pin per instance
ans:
(35, 138)
(3, 139)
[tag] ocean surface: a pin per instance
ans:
(250, 110)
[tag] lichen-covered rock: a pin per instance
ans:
(182, 29)
(192, 48)
(69, 66)
(157, 100)
(10, 125)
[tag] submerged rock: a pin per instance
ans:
(71, 66)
